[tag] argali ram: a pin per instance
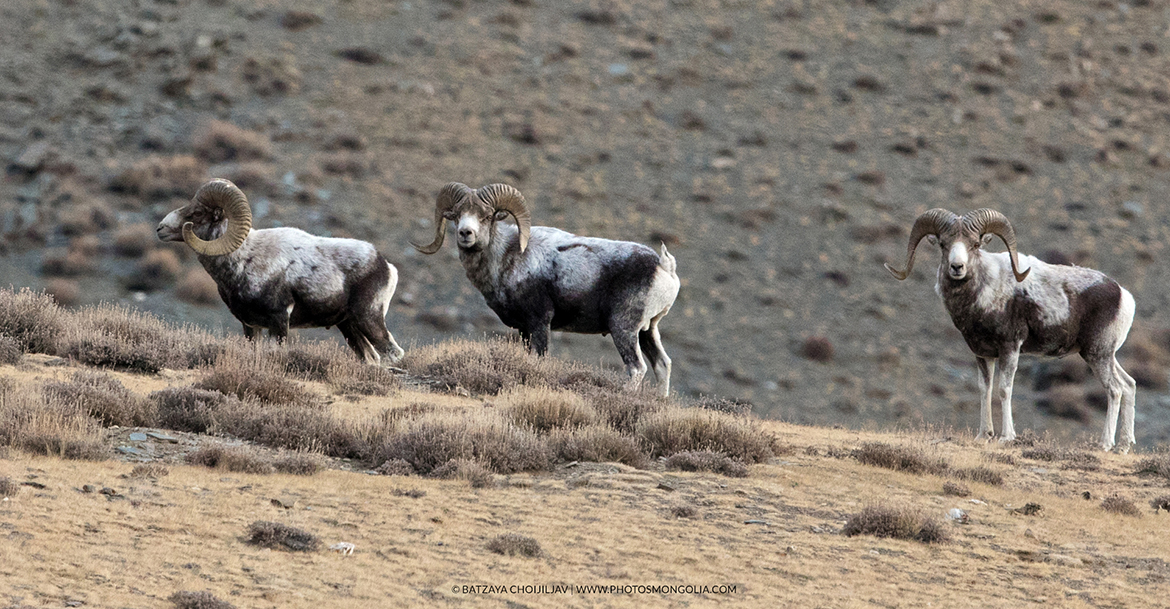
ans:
(1046, 309)
(281, 278)
(538, 278)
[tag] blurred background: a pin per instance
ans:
(780, 149)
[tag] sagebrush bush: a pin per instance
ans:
(247, 371)
(350, 376)
(8, 487)
(462, 469)
(706, 461)
(675, 430)
(913, 460)
(1120, 505)
(300, 463)
(395, 467)
(598, 444)
(149, 470)
(198, 600)
(134, 240)
(512, 544)
(955, 489)
(117, 337)
(543, 409)
(1161, 502)
(160, 177)
(48, 426)
(190, 409)
(978, 473)
(220, 142)
(240, 459)
(895, 523)
(1158, 465)
(33, 319)
(155, 271)
(11, 350)
(483, 435)
(279, 536)
(104, 398)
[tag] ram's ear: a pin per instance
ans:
(932, 239)
(987, 238)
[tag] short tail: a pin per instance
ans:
(667, 262)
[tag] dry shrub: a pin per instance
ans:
(621, 409)
(308, 360)
(104, 398)
(597, 444)
(300, 464)
(11, 351)
(156, 270)
(676, 430)
(279, 536)
(978, 473)
(272, 75)
(954, 489)
(149, 470)
(462, 469)
(899, 458)
(198, 600)
(512, 544)
(58, 262)
(1030, 439)
(117, 337)
(1041, 453)
(220, 142)
(395, 467)
(492, 365)
(482, 435)
(47, 426)
(1120, 505)
(160, 177)
(296, 428)
(8, 487)
(197, 287)
(817, 349)
(706, 461)
(247, 372)
(32, 318)
(683, 511)
(65, 292)
(895, 523)
(353, 377)
(543, 409)
(1080, 459)
(1158, 465)
(135, 240)
(190, 409)
(413, 493)
(241, 459)
(720, 404)
(1161, 502)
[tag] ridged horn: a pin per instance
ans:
(450, 196)
(502, 197)
(932, 222)
(228, 197)
(988, 221)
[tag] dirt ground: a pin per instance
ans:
(780, 149)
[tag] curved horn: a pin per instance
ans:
(228, 197)
(502, 197)
(450, 196)
(988, 221)
(932, 222)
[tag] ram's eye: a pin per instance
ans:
(449, 215)
(501, 215)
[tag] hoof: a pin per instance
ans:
(1006, 439)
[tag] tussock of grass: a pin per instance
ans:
(190, 409)
(1120, 505)
(900, 458)
(395, 467)
(104, 398)
(462, 469)
(198, 600)
(955, 489)
(279, 536)
(598, 444)
(46, 425)
(543, 409)
(299, 464)
(240, 459)
(619, 408)
(11, 350)
(511, 544)
(481, 435)
(706, 461)
(149, 470)
(116, 337)
(1161, 502)
(246, 371)
(978, 473)
(720, 404)
(895, 523)
(493, 365)
(676, 430)
(1158, 465)
(8, 487)
(33, 319)
(683, 511)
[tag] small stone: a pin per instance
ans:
(109, 492)
(162, 437)
(130, 450)
(285, 502)
(33, 158)
(138, 437)
(618, 69)
(1132, 209)
(56, 361)
(662, 486)
(1064, 560)
(763, 522)
(88, 488)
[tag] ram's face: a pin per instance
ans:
(203, 218)
(473, 225)
(958, 252)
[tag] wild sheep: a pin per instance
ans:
(538, 278)
(1048, 309)
(281, 278)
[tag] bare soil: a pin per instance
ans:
(780, 149)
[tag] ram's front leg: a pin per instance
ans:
(537, 339)
(986, 375)
(1007, 374)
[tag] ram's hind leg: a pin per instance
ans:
(357, 341)
(1121, 390)
(1007, 376)
(379, 339)
(627, 346)
(651, 343)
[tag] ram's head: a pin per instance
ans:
(960, 239)
(475, 212)
(214, 223)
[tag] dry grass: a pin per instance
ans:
(8, 487)
(277, 536)
(1117, 504)
(300, 464)
(621, 409)
(156, 270)
(197, 287)
(152, 471)
(241, 459)
(475, 474)
(543, 409)
(1158, 465)
(190, 409)
(117, 337)
(674, 430)
(482, 435)
(908, 459)
(198, 600)
(11, 350)
(512, 544)
(104, 398)
(247, 371)
(706, 461)
(32, 318)
(954, 489)
(46, 425)
(134, 240)
(895, 523)
(395, 467)
(597, 443)
(979, 473)
(1161, 502)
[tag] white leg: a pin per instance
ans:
(1007, 375)
(986, 374)
(1128, 410)
(1120, 387)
